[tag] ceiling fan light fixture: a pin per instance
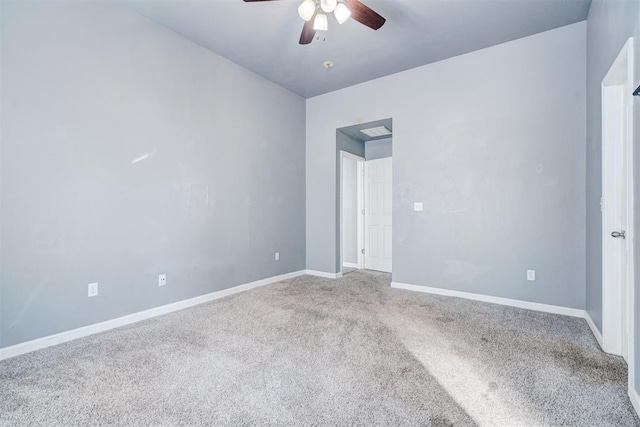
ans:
(306, 9)
(342, 13)
(328, 6)
(321, 23)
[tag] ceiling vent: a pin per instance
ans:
(376, 132)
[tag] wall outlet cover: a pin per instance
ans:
(277, 257)
(417, 206)
(531, 275)
(162, 280)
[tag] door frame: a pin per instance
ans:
(613, 90)
(360, 206)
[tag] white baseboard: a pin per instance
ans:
(635, 399)
(62, 337)
(594, 329)
(574, 312)
(350, 265)
(323, 274)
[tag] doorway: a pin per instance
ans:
(617, 208)
(365, 204)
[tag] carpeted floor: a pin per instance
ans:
(319, 351)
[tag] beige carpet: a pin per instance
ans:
(312, 351)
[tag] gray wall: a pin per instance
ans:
(87, 89)
(349, 210)
(378, 149)
(493, 143)
(610, 24)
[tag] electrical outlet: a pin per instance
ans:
(92, 290)
(162, 280)
(531, 275)
(277, 256)
(417, 206)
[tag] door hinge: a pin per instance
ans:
(362, 251)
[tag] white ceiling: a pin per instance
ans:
(263, 36)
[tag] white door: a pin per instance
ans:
(615, 214)
(378, 179)
(617, 209)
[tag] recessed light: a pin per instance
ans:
(327, 64)
(378, 131)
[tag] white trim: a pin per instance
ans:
(350, 264)
(360, 205)
(574, 312)
(62, 337)
(323, 274)
(634, 397)
(351, 156)
(594, 328)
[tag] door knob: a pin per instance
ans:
(619, 234)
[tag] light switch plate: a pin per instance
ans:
(417, 206)
(92, 290)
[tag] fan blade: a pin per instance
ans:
(308, 33)
(365, 15)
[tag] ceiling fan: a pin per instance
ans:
(315, 12)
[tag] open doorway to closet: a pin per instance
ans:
(364, 197)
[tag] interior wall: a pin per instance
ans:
(492, 142)
(349, 210)
(129, 151)
(610, 24)
(378, 149)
